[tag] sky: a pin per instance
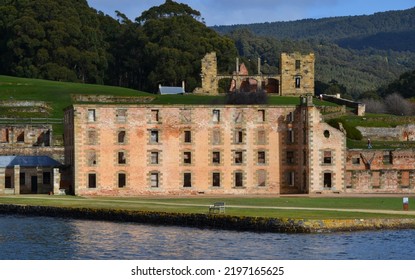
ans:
(228, 12)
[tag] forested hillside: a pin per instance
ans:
(332, 29)
(357, 70)
(359, 52)
(66, 40)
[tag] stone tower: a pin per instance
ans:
(297, 74)
(209, 74)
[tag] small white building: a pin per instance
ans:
(163, 90)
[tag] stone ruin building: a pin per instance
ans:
(29, 161)
(127, 148)
(202, 149)
(296, 76)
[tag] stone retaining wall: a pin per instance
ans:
(112, 99)
(360, 108)
(257, 224)
(399, 133)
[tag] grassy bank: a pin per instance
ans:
(58, 94)
(283, 207)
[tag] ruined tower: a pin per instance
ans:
(209, 74)
(297, 74)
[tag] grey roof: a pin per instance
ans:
(28, 161)
(171, 90)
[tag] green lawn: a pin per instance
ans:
(378, 120)
(375, 120)
(56, 94)
(234, 206)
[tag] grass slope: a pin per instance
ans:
(57, 94)
(376, 120)
(254, 207)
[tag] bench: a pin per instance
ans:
(217, 207)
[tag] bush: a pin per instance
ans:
(351, 131)
(393, 104)
(397, 105)
(243, 98)
(374, 106)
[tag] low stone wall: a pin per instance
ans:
(24, 106)
(23, 103)
(257, 224)
(399, 133)
(360, 108)
(112, 99)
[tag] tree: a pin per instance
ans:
(52, 39)
(176, 42)
(405, 86)
(397, 105)
(374, 106)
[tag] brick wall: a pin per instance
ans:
(380, 171)
(252, 142)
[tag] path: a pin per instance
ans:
(375, 211)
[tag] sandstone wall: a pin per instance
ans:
(380, 171)
(297, 74)
(260, 135)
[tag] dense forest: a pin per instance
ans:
(66, 40)
(332, 29)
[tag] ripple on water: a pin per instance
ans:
(53, 238)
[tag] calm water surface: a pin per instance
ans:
(43, 238)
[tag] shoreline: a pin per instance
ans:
(215, 221)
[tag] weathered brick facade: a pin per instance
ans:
(380, 171)
(25, 135)
(221, 149)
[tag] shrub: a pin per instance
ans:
(242, 98)
(351, 131)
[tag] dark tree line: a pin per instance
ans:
(51, 39)
(66, 40)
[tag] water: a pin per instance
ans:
(44, 238)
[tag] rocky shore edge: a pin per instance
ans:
(218, 221)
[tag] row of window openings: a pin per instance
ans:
(187, 158)
(46, 179)
(154, 137)
(187, 179)
(121, 116)
(405, 179)
(239, 137)
(5, 136)
(216, 157)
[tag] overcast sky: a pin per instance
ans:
(227, 12)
